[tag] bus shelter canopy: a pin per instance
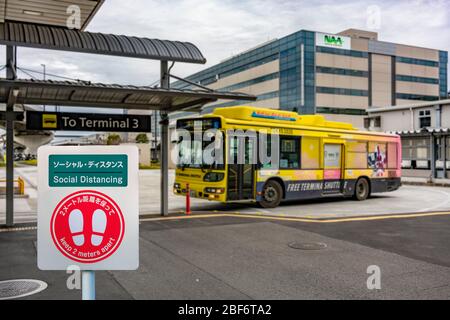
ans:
(60, 38)
(99, 95)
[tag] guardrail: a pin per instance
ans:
(18, 189)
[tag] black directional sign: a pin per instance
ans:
(87, 122)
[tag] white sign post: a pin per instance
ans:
(88, 210)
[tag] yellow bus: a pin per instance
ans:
(317, 158)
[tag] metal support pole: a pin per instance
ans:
(10, 74)
(88, 285)
(165, 84)
(433, 156)
(444, 154)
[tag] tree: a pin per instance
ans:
(142, 138)
(113, 139)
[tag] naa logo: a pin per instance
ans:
(334, 40)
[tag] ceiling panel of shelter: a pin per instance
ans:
(48, 12)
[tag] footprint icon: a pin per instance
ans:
(98, 227)
(76, 227)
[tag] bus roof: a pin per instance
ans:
(279, 116)
(285, 118)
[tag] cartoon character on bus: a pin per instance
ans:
(377, 161)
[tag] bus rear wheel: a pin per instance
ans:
(362, 189)
(271, 195)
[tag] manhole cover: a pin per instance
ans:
(307, 246)
(13, 289)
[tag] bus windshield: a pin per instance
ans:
(196, 138)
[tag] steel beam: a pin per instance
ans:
(11, 63)
(164, 158)
(433, 155)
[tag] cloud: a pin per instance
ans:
(224, 28)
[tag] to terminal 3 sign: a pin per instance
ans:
(87, 122)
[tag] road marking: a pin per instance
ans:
(197, 216)
(283, 217)
(257, 215)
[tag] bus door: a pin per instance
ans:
(333, 168)
(241, 167)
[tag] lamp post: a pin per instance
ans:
(43, 66)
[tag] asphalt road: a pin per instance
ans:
(240, 257)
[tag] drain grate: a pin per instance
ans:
(13, 289)
(307, 246)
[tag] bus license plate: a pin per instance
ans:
(192, 193)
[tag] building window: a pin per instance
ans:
(343, 72)
(373, 122)
(377, 122)
(408, 96)
(366, 123)
(421, 148)
(343, 91)
(400, 77)
(420, 62)
(425, 118)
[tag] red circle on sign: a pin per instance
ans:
(87, 226)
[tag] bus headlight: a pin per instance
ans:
(176, 186)
(213, 177)
(215, 190)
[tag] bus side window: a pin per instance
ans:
(392, 156)
(356, 157)
(310, 155)
(289, 152)
(376, 158)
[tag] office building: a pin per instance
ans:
(337, 75)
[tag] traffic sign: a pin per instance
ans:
(87, 122)
(88, 208)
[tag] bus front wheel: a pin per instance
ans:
(271, 195)
(362, 189)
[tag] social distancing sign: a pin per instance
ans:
(88, 205)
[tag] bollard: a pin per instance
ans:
(188, 200)
(21, 185)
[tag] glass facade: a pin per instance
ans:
(261, 97)
(343, 72)
(309, 74)
(290, 73)
(343, 52)
(251, 82)
(342, 91)
(408, 96)
(259, 56)
(417, 79)
(287, 51)
(419, 62)
(443, 80)
(347, 111)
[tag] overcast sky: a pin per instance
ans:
(226, 27)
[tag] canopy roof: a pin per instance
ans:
(60, 38)
(84, 94)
